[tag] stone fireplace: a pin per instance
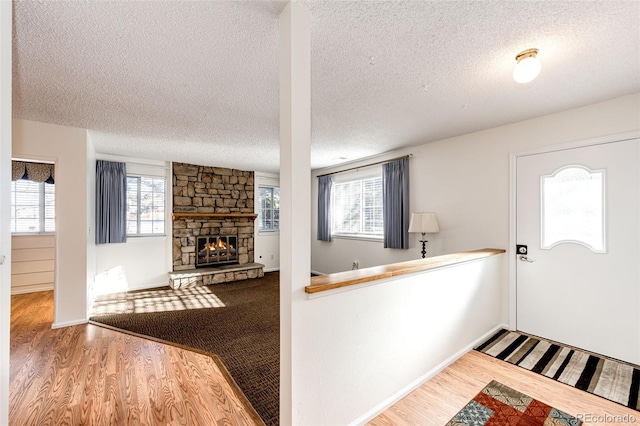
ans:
(213, 230)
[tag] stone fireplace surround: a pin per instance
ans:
(212, 201)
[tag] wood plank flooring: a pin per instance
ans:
(89, 375)
(439, 399)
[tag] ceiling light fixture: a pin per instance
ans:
(528, 66)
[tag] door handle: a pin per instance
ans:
(525, 259)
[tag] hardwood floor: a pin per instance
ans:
(440, 398)
(89, 375)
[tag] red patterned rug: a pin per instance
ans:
(498, 405)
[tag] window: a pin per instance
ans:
(356, 207)
(32, 207)
(573, 208)
(268, 208)
(145, 205)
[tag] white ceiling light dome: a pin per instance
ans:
(528, 66)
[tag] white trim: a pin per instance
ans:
(30, 160)
(168, 221)
(35, 158)
(58, 207)
(137, 236)
(275, 269)
(266, 175)
(34, 288)
(511, 250)
(513, 157)
(317, 272)
(378, 409)
(621, 137)
(6, 43)
(265, 233)
(357, 237)
(68, 323)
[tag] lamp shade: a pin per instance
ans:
(528, 66)
(424, 223)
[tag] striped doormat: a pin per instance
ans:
(614, 380)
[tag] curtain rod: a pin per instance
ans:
(20, 160)
(124, 159)
(368, 165)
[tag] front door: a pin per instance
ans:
(578, 214)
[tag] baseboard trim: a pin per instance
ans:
(317, 272)
(276, 269)
(32, 288)
(68, 323)
(384, 405)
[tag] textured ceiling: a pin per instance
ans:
(197, 81)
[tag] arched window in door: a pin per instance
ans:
(572, 208)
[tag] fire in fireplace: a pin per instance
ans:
(216, 250)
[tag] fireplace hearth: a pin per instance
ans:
(217, 250)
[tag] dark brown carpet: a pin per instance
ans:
(244, 333)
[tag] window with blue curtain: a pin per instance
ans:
(324, 208)
(395, 194)
(111, 202)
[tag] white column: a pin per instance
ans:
(5, 203)
(295, 202)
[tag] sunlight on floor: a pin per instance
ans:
(157, 301)
(111, 281)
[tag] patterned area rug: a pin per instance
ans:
(614, 380)
(498, 405)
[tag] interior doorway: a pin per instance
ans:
(33, 226)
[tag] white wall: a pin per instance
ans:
(465, 180)
(266, 244)
(295, 209)
(67, 147)
(368, 346)
(6, 27)
(33, 263)
(91, 219)
(141, 262)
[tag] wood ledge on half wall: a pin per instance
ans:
(359, 276)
